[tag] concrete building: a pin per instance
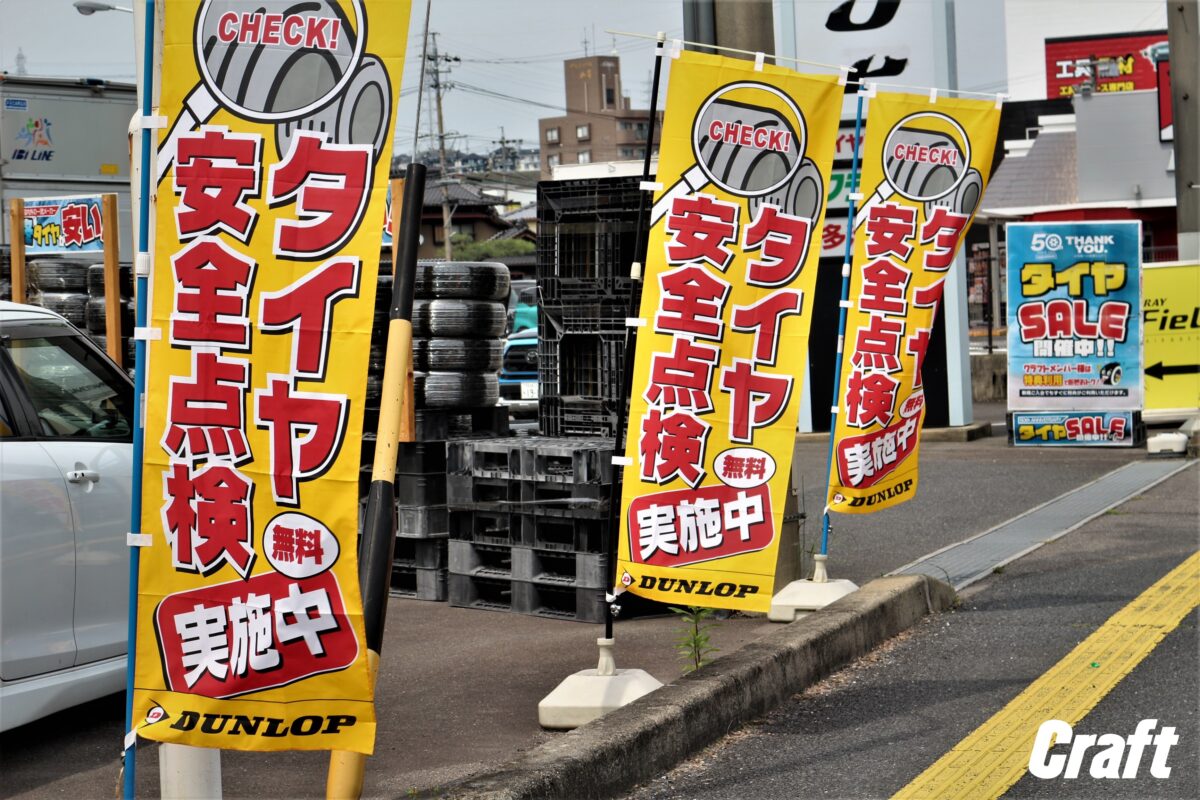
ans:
(599, 124)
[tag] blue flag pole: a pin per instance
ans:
(142, 273)
(843, 306)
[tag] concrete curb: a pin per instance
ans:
(649, 736)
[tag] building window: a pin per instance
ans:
(552, 135)
(610, 97)
(553, 160)
(585, 156)
(456, 229)
(583, 132)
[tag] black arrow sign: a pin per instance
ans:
(1159, 371)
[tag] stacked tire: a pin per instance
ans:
(95, 309)
(458, 329)
(59, 285)
(5, 274)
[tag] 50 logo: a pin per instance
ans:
(1046, 241)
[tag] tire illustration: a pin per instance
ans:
(476, 280)
(466, 319)
(467, 355)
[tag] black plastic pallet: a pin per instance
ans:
(616, 199)
(576, 604)
(487, 527)
(421, 553)
(469, 591)
(563, 289)
(587, 317)
(575, 460)
(469, 491)
(481, 560)
(561, 533)
(557, 499)
(558, 568)
(577, 416)
(421, 522)
(586, 365)
(420, 584)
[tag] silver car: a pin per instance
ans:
(66, 414)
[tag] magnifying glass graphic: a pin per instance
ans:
(299, 65)
(749, 140)
(927, 159)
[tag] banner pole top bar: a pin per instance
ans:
(840, 67)
(999, 97)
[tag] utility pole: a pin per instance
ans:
(746, 25)
(1182, 21)
(435, 76)
(506, 163)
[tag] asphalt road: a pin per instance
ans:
(869, 730)
(459, 687)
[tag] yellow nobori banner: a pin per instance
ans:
(745, 163)
(924, 168)
(271, 183)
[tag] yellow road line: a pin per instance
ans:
(995, 756)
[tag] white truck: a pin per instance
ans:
(65, 136)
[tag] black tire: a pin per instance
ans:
(129, 353)
(472, 280)
(96, 321)
(419, 389)
(71, 305)
(466, 355)
(95, 280)
(57, 275)
(383, 293)
(460, 390)
(458, 319)
(374, 390)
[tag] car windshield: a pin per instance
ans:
(74, 392)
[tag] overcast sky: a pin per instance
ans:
(511, 51)
(513, 48)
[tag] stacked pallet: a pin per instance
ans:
(457, 322)
(527, 520)
(587, 236)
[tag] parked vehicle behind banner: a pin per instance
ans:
(518, 371)
(522, 306)
(66, 450)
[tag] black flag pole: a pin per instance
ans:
(641, 245)
(378, 543)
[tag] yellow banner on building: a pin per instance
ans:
(1171, 326)
(744, 163)
(272, 177)
(925, 165)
